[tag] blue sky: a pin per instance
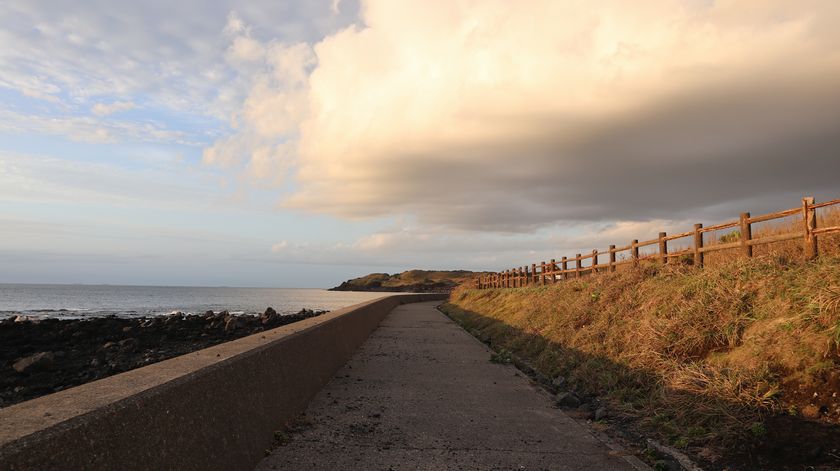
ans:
(298, 144)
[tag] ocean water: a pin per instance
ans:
(80, 301)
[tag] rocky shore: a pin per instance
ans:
(42, 356)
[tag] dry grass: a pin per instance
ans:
(698, 356)
(791, 249)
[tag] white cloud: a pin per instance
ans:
(104, 109)
(490, 115)
(89, 129)
(106, 49)
(276, 103)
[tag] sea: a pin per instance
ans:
(83, 301)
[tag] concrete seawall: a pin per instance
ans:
(214, 409)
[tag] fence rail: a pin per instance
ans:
(553, 271)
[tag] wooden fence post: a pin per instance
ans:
(577, 266)
(523, 275)
(533, 279)
(542, 273)
(809, 216)
(565, 264)
(553, 270)
(612, 258)
(663, 248)
(698, 244)
(594, 261)
(634, 251)
(746, 234)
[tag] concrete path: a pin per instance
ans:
(422, 394)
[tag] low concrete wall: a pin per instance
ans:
(214, 409)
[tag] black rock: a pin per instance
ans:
(37, 362)
(128, 345)
(567, 399)
(268, 316)
(600, 413)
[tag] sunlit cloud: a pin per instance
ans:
(494, 116)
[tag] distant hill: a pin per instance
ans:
(414, 281)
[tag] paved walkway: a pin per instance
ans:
(422, 394)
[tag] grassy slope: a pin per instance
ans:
(698, 357)
(410, 278)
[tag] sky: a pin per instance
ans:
(301, 143)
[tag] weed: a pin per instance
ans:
(757, 429)
(681, 442)
(503, 356)
(281, 438)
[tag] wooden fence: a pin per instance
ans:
(553, 271)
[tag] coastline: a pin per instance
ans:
(42, 356)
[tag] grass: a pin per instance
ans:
(697, 357)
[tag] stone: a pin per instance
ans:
(813, 452)
(37, 362)
(567, 399)
(128, 345)
(153, 322)
(600, 413)
(268, 316)
(811, 411)
(667, 465)
(209, 314)
(231, 324)
(558, 382)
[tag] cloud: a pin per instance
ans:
(489, 116)
(264, 147)
(419, 246)
(104, 109)
(110, 49)
(46, 180)
(90, 129)
(335, 6)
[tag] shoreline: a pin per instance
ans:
(40, 356)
